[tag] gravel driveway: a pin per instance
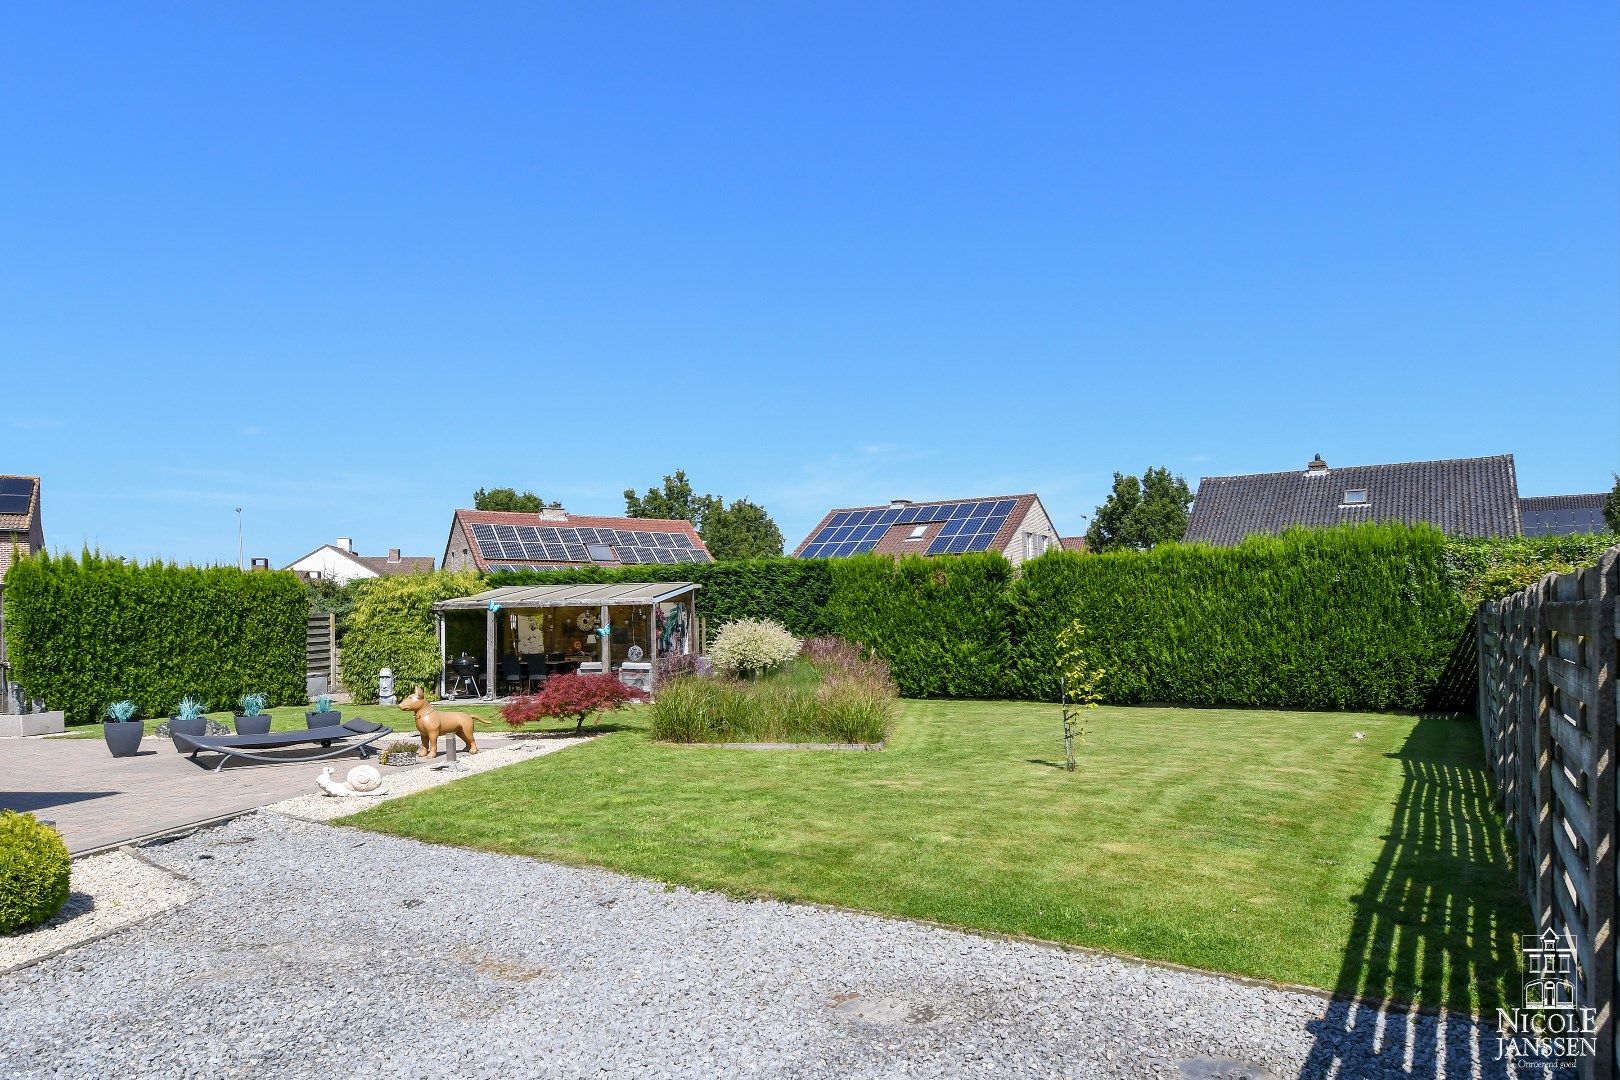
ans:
(319, 951)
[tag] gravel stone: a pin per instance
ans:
(106, 893)
(312, 950)
(499, 751)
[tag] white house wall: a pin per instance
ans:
(1035, 521)
(332, 566)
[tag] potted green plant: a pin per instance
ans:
(253, 720)
(323, 715)
(190, 718)
(123, 728)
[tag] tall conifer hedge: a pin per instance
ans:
(940, 623)
(1358, 617)
(82, 633)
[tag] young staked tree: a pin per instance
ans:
(742, 530)
(1141, 513)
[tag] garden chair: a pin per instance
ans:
(511, 674)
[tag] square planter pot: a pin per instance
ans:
(123, 737)
(38, 723)
(178, 726)
(253, 725)
(330, 718)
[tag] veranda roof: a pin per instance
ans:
(623, 594)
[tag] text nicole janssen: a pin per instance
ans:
(1562, 1034)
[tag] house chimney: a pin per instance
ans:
(344, 543)
(553, 513)
(896, 504)
(1316, 465)
(261, 564)
(393, 554)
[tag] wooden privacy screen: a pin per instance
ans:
(1547, 708)
(320, 647)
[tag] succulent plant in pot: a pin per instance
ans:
(123, 728)
(321, 713)
(190, 718)
(400, 752)
(253, 720)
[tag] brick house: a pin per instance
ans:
(554, 539)
(20, 526)
(1015, 525)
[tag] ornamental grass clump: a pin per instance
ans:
(831, 693)
(752, 647)
(34, 869)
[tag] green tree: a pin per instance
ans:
(1141, 513)
(1611, 506)
(675, 500)
(742, 530)
(509, 500)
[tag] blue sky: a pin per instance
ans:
(340, 265)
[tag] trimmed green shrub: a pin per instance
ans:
(391, 626)
(1358, 617)
(82, 633)
(792, 592)
(34, 871)
(1489, 569)
(940, 623)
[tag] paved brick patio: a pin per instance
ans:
(97, 800)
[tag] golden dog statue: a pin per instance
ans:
(431, 724)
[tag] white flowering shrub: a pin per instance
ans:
(750, 646)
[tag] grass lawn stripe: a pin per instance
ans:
(1263, 843)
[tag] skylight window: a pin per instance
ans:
(1355, 497)
(600, 552)
(917, 532)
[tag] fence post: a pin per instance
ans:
(1538, 706)
(1604, 885)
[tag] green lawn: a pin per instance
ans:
(291, 718)
(1271, 844)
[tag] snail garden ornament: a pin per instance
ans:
(362, 780)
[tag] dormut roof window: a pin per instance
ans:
(1355, 497)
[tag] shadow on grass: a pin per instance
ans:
(1438, 913)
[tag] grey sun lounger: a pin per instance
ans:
(249, 747)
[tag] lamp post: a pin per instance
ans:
(239, 538)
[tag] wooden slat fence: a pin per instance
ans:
(1549, 703)
(320, 648)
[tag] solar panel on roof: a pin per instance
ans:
(849, 532)
(14, 504)
(16, 485)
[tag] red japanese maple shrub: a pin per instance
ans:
(571, 696)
